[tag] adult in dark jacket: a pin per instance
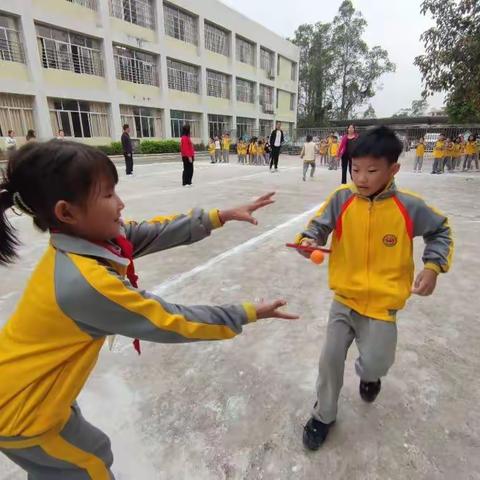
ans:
(277, 138)
(127, 149)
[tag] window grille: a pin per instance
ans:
(180, 25)
(216, 40)
(218, 85)
(182, 76)
(245, 91)
(135, 66)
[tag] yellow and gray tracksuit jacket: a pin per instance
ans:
(371, 264)
(77, 295)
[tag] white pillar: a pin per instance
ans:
(43, 125)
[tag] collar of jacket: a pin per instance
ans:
(389, 191)
(80, 246)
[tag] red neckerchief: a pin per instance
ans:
(126, 251)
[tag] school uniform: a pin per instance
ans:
(438, 155)
(419, 154)
(371, 270)
(79, 293)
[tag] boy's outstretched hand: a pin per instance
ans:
(244, 213)
(271, 310)
(425, 282)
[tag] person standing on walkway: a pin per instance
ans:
(277, 138)
(10, 141)
(345, 151)
(188, 156)
(226, 148)
(127, 149)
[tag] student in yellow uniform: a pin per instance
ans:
(438, 154)
(457, 149)
(252, 151)
(449, 153)
(371, 270)
(83, 289)
(241, 151)
(323, 151)
(470, 153)
(260, 152)
(226, 148)
(211, 149)
(419, 154)
(333, 153)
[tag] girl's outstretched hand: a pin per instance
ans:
(244, 213)
(271, 310)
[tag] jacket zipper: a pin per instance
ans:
(370, 208)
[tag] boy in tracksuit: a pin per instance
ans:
(371, 270)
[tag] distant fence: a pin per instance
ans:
(409, 134)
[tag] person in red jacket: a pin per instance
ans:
(188, 156)
(345, 151)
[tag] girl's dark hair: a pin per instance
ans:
(40, 174)
(186, 130)
(471, 136)
(30, 134)
(309, 138)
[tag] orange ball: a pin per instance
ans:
(317, 257)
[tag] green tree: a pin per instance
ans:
(338, 71)
(417, 109)
(357, 68)
(451, 62)
(315, 77)
(369, 112)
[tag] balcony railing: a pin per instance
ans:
(81, 60)
(135, 71)
(139, 12)
(11, 51)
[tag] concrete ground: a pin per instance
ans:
(235, 409)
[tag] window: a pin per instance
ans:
(245, 91)
(266, 61)
(63, 50)
(139, 12)
(218, 125)
(11, 49)
(266, 127)
(92, 4)
(16, 113)
(245, 128)
(144, 122)
(292, 102)
(79, 119)
(182, 76)
(135, 66)
(178, 119)
(294, 71)
(179, 24)
(266, 98)
(218, 84)
(216, 40)
(245, 51)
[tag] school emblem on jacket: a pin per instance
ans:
(390, 240)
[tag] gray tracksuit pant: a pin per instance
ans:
(79, 451)
(376, 341)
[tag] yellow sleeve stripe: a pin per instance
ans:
(163, 218)
(215, 218)
(114, 290)
(251, 312)
(433, 266)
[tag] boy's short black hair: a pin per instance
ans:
(380, 142)
(309, 138)
(125, 126)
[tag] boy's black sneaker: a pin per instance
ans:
(370, 390)
(315, 433)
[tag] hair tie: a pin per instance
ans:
(21, 205)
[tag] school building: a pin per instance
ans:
(89, 66)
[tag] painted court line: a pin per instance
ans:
(177, 279)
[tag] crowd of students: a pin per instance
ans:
(449, 155)
(256, 151)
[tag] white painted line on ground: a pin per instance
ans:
(175, 280)
(206, 184)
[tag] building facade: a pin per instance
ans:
(89, 66)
